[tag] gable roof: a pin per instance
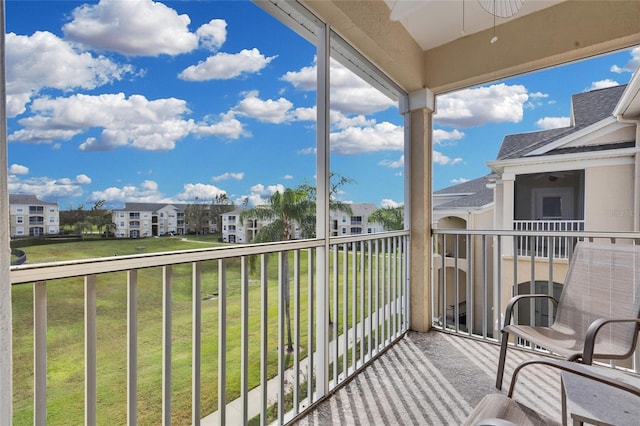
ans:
(469, 187)
(28, 199)
(470, 194)
(587, 109)
(149, 207)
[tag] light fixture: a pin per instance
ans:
(502, 9)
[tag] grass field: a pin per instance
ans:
(65, 333)
(65, 354)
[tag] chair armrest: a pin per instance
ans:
(575, 368)
(592, 331)
(514, 300)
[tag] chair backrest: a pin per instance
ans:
(603, 281)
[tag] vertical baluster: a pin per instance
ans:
(296, 338)
(90, 348)
(281, 335)
(310, 323)
(485, 314)
(470, 311)
(376, 293)
(40, 353)
(443, 281)
(393, 259)
(244, 340)
(369, 298)
(264, 346)
(456, 286)
(354, 301)
(383, 289)
(196, 361)
(132, 347)
(345, 310)
(222, 342)
(167, 278)
(336, 347)
(362, 310)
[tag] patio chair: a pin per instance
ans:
(598, 314)
(503, 410)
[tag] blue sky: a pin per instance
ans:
(168, 101)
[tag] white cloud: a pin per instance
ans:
(133, 28)
(387, 203)
(224, 66)
(213, 34)
(307, 151)
(356, 140)
(43, 60)
(632, 65)
(225, 126)
(441, 136)
(473, 107)
(146, 192)
(349, 93)
(199, 191)
(443, 160)
(83, 179)
(547, 123)
(459, 180)
(270, 111)
(287, 177)
(258, 193)
(18, 169)
(45, 188)
(603, 84)
(134, 122)
(228, 175)
(393, 164)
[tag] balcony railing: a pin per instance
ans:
(204, 332)
(470, 292)
(541, 246)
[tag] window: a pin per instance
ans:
(19, 219)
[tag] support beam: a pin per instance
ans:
(418, 109)
(6, 388)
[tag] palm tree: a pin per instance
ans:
(281, 214)
(391, 218)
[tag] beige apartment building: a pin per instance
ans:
(236, 231)
(30, 216)
(583, 177)
(139, 220)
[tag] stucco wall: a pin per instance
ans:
(609, 198)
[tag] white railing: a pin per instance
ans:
(541, 246)
(469, 294)
(135, 333)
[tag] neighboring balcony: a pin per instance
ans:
(558, 247)
(219, 336)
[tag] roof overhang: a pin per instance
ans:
(628, 107)
(565, 32)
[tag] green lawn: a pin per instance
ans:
(65, 355)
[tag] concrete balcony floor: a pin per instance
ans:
(434, 378)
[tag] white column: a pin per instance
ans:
(6, 384)
(417, 109)
(322, 213)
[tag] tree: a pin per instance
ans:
(391, 218)
(196, 216)
(283, 211)
(219, 205)
(336, 181)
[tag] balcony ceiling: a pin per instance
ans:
(421, 43)
(433, 23)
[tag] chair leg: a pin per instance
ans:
(501, 361)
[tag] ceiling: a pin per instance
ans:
(432, 23)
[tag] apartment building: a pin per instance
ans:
(139, 220)
(30, 216)
(583, 177)
(233, 231)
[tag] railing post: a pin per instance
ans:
(90, 349)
